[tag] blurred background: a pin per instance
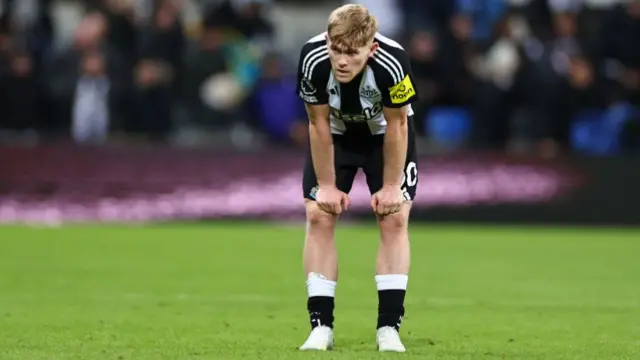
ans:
(184, 111)
(124, 110)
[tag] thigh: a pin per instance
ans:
(345, 165)
(374, 170)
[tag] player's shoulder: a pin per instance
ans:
(390, 61)
(314, 57)
(389, 49)
(388, 44)
(317, 41)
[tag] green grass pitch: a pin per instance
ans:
(236, 291)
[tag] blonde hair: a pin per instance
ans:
(352, 26)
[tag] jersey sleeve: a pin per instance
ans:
(312, 82)
(395, 78)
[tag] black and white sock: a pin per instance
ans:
(320, 303)
(391, 292)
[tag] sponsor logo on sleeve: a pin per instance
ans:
(402, 92)
(307, 87)
(308, 91)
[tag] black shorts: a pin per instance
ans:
(366, 154)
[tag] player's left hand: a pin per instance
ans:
(387, 200)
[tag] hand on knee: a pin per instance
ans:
(387, 201)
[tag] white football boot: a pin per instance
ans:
(388, 340)
(320, 338)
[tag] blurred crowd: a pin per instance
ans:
(522, 68)
(132, 67)
(526, 68)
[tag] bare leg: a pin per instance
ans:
(392, 267)
(319, 247)
(320, 264)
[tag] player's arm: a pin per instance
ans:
(395, 145)
(321, 143)
(311, 87)
(399, 93)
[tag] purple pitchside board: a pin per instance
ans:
(59, 184)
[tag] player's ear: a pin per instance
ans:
(373, 48)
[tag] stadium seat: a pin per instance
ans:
(598, 132)
(448, 125)
(585, 130)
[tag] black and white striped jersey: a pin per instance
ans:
(356, 107)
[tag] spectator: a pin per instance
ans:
(154, 104)
(63, 78)
(276, 107)
(476, 21)
(496, 71)
(419, 14)
(248, 34)
(160, 57)
(621, 52)
(20, 98)
(237, 34)
(31, 24)
(560, 80)
(123, 33)
(244, 17)
(440, 77)
(163, 39)
(91, 110)
(204, 60)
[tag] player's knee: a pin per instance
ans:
(319, 220)
(394, 224)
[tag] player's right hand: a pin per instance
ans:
(332, 200)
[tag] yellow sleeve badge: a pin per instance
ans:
(401, 92)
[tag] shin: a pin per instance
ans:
(320, 265)
(319, 248)
(394, 254)
(392, 267)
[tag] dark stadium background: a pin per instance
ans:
(528, 110)
(137, 132)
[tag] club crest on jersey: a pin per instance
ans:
(369, 92)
